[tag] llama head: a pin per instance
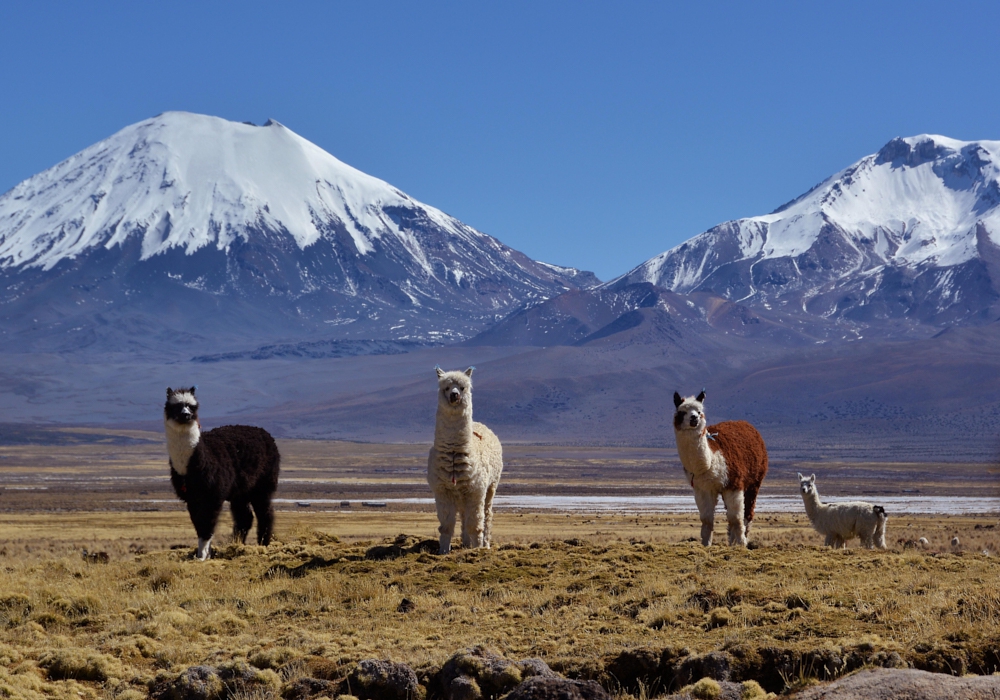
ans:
(690, 414)
(181, 406)
(807, 484)
(455, 389)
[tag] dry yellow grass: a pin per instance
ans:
(576, 591)
(595, 596)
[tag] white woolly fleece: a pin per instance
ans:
(181, 441)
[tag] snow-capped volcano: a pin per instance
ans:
(185, 204)
(912, 231)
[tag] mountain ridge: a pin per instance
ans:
(171, 220)
(910, 232)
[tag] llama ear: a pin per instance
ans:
(193, 389)
(468, 372)
(169, 392)
(677, 400)
(700, 398)
(813, 478)
(801, 478)
(440, 372)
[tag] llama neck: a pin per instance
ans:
(453, 430)
(812, 504)
(694, 451)
(181, 441)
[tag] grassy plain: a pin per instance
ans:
(591, 594)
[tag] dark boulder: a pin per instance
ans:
(546, 688)
(635, 668)
(306, 688)
(376, 679)
(195, 683)
(476, 669)
(715, 665)
(889, 684)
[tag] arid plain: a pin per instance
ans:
(99, 597)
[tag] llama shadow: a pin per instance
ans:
(403, 545)
(301, 570)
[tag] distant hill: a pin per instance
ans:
(856, 323)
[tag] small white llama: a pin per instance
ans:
(727, 459)
(841, 522)
(464, 465)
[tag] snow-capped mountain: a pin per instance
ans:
(911, 232)
(182, 219)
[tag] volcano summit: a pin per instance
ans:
(221, 234)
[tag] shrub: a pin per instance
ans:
(705, 689)
(80, 664)
(224, 622)
(720, 617)
(751, 690)
(273, 658)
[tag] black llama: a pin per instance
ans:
(235, 463)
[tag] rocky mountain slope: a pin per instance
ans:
(857, 322)
(909, 234)
(191, 230)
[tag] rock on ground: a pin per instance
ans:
(548, 688)
(480, 673)
(376, 679)
(893, 684)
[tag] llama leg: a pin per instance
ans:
(473, 522)
(880, 534)
(446, 517)
(242, 520)
(265, 519)
(204, 515)
(488, 522)
(706, 501)
(734, 517)
(830, 540)
(749, 504)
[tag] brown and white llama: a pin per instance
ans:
(727, 459)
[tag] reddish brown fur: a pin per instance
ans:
(746, 458)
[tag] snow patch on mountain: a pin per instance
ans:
(909, 235)
(237, 235)
(916, 202)
(190, 181)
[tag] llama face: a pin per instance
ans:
(181, 406)
(690, 414)
(455, 389)
(807, 484)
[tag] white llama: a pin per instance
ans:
(841, 522)
(727, 459)
(464, 465)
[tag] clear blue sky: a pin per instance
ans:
(588, 134)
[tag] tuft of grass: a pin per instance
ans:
(224, 622)
(719, 617)
(273, 658)
(80, 664)
(751, 690)
(705, 689)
